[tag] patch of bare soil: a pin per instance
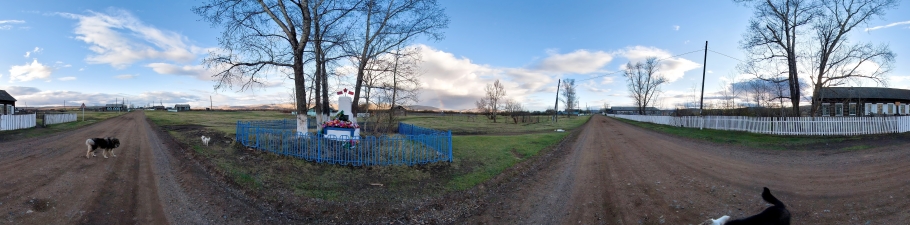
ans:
(48, 180)
(616, 173)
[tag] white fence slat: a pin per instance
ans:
(15, 122)
(819, 126)
(59, 118)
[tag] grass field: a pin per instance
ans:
(774, 142)
(477, 158)
(90, 118)
(461, 124)
(224, 121)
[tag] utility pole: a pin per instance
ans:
(211, 107)
(556, 105)
(701, 104)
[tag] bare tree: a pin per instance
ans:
(403, 83)
(835, 60)
(388, 24)
(492, 102)
(514, 108)
(643, 82)
(772, 37)
(259, 37)
(569, 96)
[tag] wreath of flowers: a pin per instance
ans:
(339, 121)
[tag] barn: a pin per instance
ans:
(863, 101)
(182, 107)
(7, 103)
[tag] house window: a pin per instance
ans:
(868, 109)
(852, 109)
(878, 108)
(839, 109)
(890, 108)
(825, 109)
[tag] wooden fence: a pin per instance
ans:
(15, 122)
(59, 118)
(785, 125)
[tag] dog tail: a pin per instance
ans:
(766, 194)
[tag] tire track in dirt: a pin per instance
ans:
(48, 180)
(623, 174)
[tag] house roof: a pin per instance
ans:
(6, 97)
(864, 93)
(631, 108)
(182, 105)
(113, 105)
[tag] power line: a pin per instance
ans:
(725, 55)
(615, 72)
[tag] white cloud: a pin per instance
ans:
(81, 69)
(66, 78)
(29, 53)
(578, 62)
(120, 39)
(671, 68)
(126, 76)
(5, 24)
(30, 71)
(676, 27)
(197, 71)
(889, 25)
(607, 80)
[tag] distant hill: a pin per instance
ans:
(422, 108)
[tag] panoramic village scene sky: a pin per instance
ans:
(96, 52)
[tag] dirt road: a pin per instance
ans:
(48, 180)
(616, 173)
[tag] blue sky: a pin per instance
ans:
(150, 51)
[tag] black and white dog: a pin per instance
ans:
(774, 215)
(105, 144)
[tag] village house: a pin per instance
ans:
(182, 107)
(7, 103)
(114, 107)
(863, 101)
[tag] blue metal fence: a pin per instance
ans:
(413, 145)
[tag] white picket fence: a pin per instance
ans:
(15, 122)
(785, 125)
(59, 118)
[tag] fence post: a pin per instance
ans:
(451, 159)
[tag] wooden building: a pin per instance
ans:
(7, 103)
(182, 107)
(114, 107)
(863, 101)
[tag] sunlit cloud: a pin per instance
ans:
(118, 38)
(30, 71)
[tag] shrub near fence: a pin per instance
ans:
(15, 122)
(59, 118)
(410, 148)
(785, 125)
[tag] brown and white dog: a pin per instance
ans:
(105, 144)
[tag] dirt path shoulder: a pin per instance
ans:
(616, 173)
(48, 180)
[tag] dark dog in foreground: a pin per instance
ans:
(774, 215)
(105, 144)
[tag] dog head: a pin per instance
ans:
(114, 142)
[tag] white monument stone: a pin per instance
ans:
(344, 104)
